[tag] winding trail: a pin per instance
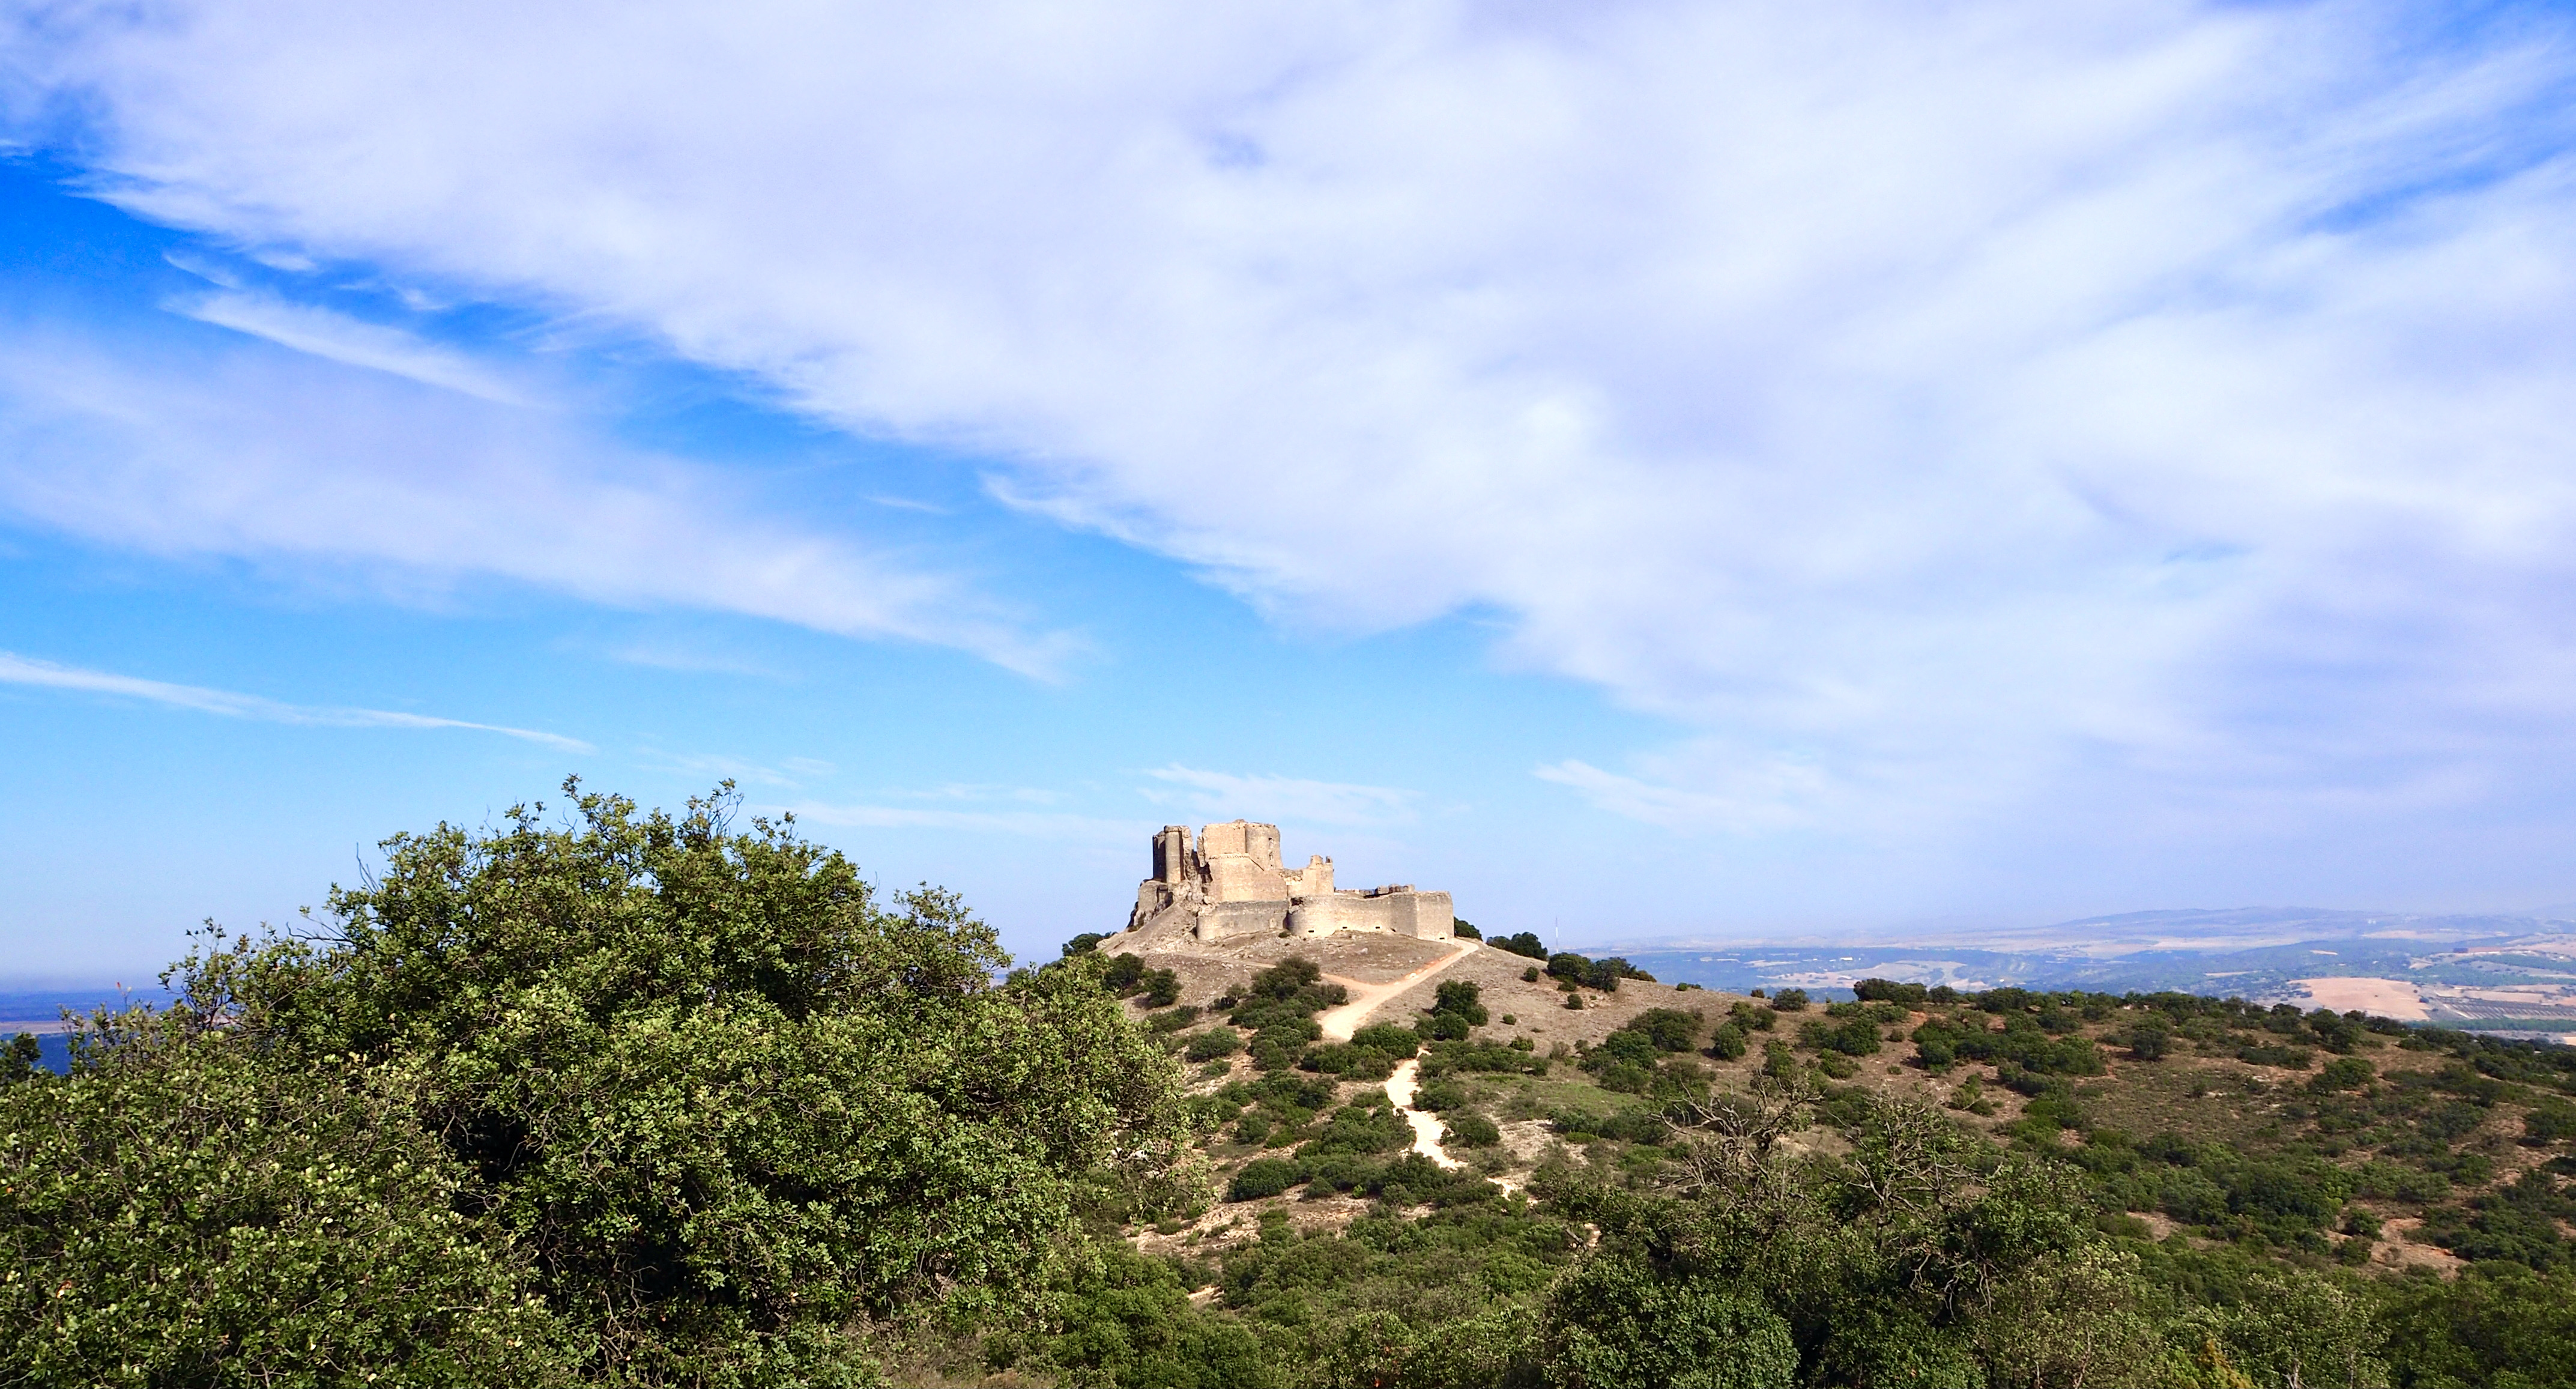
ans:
(1339, 1023)
(1426, 1127)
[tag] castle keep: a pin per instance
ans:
(1231, 883)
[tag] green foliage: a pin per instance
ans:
(1446, 1058)
(178, 1211)
(1214, 1043)
(1465, 929)
(646, 1100)
(1789, 1001)
(1460, 998)
(1888, 990)
(24, 1060)
(1620, 1324)
(1443, 1027)
(1263, 1177)
(1127, 1320)
(1727, 1043)
(1603, 974)
(1468, 1129)
(1397, 1042)
(2496, 1326)
(1369, 1124)
(1380, 1350)
(1524, 943)
(2023, 1045)
(2550, 1121)
(1437, 1096)
(1669, 1029)
(1851, 1037)
(727, 1101)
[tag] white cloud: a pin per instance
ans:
(339, 338)
(1778, 802)
(1293, 800)
(25, 670)
(2009, 400)
(289, 458)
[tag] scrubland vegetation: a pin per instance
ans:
(638, 1099)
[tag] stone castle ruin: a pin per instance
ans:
(1230, 884)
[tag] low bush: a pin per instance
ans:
(1433, 1097)
(1468, 1129)
(1398, 1042)
(1262, 1177)
(1214, 1043)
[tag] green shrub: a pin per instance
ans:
(1348, 1061)
(1789, 1001)
(1669, 1029)
(1521, 943)
(177, 1212)
(1214, 1043)
(1435, 1096)
(2550, 1121)
(1617, 1324)
(1462, 998)
(1851, 1037)
(1262, 1177)
(1396, 1041)
(1442, 1027)
(1367, 1125)
(1727, 1043)
(649, 1041)
(1468, 1129)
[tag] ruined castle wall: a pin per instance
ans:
(1260, 843)
(1244, 878)
(1172, 854)
(1313, 880)
(1228, 920)
(1422, 915)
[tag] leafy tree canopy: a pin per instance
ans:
(726, 1101)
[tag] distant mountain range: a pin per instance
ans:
(2499, 973)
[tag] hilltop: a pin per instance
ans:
(643, 1099)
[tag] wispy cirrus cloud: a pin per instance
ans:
(300, 461)
(231, 704)
(353, 342)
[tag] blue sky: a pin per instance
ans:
(1652, 469)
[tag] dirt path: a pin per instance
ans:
(1339, 1023)
(1426, 1127)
